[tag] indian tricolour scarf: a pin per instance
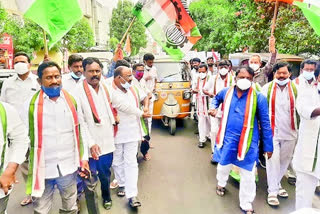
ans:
(136, 95)
(202, 98)
(272, 93)
(36, 175)
(227, 82)
(111, 111)
(248, 124)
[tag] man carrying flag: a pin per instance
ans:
(244, 110)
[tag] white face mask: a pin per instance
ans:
(255, 67)
(21, 68)
(308, 75)
(282, 82)
(243, 84)
(202, 75)
(223, 71)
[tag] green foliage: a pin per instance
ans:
(121, 18)
(113, 43)
(80, 38)
(231, 25)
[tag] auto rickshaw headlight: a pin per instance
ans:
(186, 95)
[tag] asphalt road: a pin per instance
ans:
(179, 179)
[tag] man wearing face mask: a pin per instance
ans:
(213, 86)
(74, 77)
(202, 105)
(281, 94)
(194, 76)
(212, 71)
(306, 158)
(99, 122)
(236, 144)
(16, 90)
(56, 148)
(306, 79)
(138, 81)
(127, 99)
(261, 74)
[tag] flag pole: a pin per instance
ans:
(273, 26)
(125, 34)
(46, 53)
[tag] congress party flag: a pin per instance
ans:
(169, 24)
(56, 17)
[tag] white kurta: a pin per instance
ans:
(16, 91)
(102, 133)
(19, 140)
(70, 84)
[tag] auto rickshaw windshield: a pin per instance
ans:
(172, 71)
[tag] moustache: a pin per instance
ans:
(95, 78)
(54, 85)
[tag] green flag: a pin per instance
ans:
(56, 17)
(311, 10)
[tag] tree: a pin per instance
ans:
(246, 23)
(120, 20)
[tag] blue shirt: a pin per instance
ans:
(227, 154)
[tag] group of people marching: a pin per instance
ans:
(242, 113)
(68, 131)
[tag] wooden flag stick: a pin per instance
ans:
(125, 34)
(46, 53)
(274, 20)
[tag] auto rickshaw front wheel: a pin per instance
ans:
(172, 125)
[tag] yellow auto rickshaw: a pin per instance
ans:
(172, 94)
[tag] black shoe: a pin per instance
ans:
(201, 145)
(134, 202)
(213, 162)
(107, 205)
(292, 181)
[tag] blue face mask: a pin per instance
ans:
(52, 91)
(125, 85)
(74, 76)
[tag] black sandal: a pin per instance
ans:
(121, 192)
(220, 191)
(248, 211)
(134, 202)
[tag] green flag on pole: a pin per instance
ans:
(56, 17)
(311, 10)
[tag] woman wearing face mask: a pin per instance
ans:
(202, 105)
(237, 143)
(281, 94)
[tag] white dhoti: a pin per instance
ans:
(247, 190)
(204, 127)
(305, 188)
(278, 164)
(151, 104)
(215, 124)
(125, 167)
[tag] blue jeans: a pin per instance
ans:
(99, 168)
(67, 186)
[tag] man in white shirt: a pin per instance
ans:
(212, 70)
(214, 85)
(150, 75)
(56, 148)
(306, 158)
(98, 122)
(281, 94)
(138, 81)
(202, 103)
(194, 76)
(127, 100)
(13, 129)
(74, 77)
(16, 90)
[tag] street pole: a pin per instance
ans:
(46, 53)
(274, 20)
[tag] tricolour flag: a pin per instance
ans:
(127, 46)
(56, 17)
(311, 10)
(169, 24)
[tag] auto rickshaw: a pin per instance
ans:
(172, 94)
